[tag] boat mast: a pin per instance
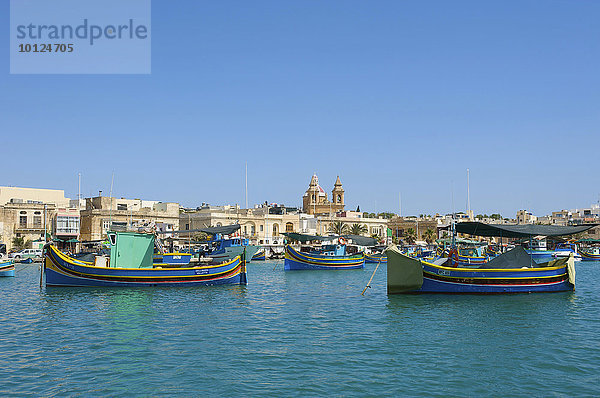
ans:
(246, 185)
(468, 197)
(111, 201)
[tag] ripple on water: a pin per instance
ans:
(296, 333)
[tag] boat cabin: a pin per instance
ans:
(131, 249)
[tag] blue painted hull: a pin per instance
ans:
(7, 268)
(295, 260)
(259, 256)
(585, 256)
(61, 270)
(375, 258)
(409, 275)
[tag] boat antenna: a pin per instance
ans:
(246, 184)
(452, 226)
(399, 204)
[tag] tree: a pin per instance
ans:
(338, 228)
(20, 243)
(410, 236)
(429, 235)
(358, 229)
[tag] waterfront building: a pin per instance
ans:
(24, 212)
(263, 224)
(103, 213)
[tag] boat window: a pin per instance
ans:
(113, 239)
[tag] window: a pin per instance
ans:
(38, 212)
(23, 212)
(339, 198)
(37, 221)
(67, 225)
(121, 206)
(105, 225)
(261, 228)
(245, 229)
(275, 230)
(252, 230)
(23, 221)
(289, 227)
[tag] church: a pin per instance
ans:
(314, 200)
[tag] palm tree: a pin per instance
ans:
(429, 235)
(358, 229)
(410, 236)
(338, 228)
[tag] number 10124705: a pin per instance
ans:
(45, 48)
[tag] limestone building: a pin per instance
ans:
(25, 212)
(315, 201)
(103, 213)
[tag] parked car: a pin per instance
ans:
(27, 254)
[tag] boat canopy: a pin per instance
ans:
(362, 240)
(223, 230)
(448, 241)
(305, 238)
(588, 240)
(518, 231)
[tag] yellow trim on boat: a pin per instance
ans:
(70, 260)
(492, 269)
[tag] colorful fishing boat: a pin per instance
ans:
(503, 274)
(330, 257)
(131, 264)
(259, 255)
(515, 271)
(590, 254)
(471, 256)
(375, 258)
(7, 268)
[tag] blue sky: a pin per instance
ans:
(393, 96)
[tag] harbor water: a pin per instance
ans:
(302, 333)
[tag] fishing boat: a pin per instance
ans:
(375, 258)
(410, 275)
(225, 247)
(259, 255)
(470, 256)
(7, 268)
(131, 264)
(590, 254)
(538, 250)
(515, 271)
(329, 257)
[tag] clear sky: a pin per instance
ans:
(392, 96)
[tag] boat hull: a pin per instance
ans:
(7, 268)
(231, 252)
(409, 275)
(61, 270)
(548, 255)
(375, 258)
(585, 256)
(295, 260)
(260, 255)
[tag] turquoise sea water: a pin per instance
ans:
(303, 333)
